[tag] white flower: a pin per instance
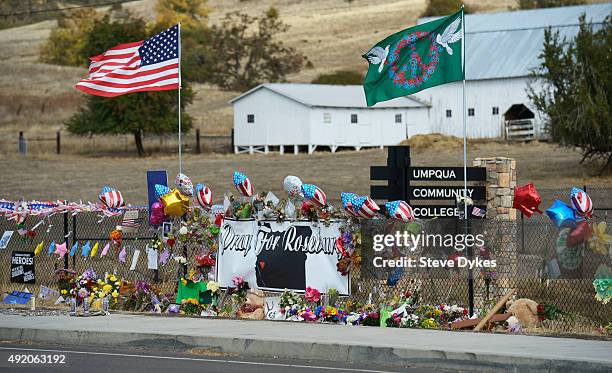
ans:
(180, 259)
(183, 230)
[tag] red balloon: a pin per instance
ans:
(527, 199)
(578, 235)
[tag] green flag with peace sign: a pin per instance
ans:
(415, 59)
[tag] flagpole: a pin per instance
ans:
(179, 103)
(464, 113)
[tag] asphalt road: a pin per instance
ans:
(81, 359)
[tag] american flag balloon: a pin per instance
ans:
(581, 201)
(111, 197)
(399, 210)
(243, 184)
(347, 201)
(161, 190)
(203, 195)
(314, 194)
(365, 207)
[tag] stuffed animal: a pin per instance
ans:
(525, 310)
(253, 308)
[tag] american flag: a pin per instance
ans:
(476, 211)
(148, 65)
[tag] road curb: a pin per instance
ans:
(346, 353)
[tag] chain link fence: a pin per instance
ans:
(525, 251)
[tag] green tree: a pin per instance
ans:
(134, 113)
(575, 90)
(442, 7)
(244, 52)
(534, 4)
(340, 77)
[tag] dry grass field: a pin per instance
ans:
(74, 178)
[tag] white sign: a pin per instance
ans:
(277, 256)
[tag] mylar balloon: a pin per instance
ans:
(581, 201)
(293, 186)
(347, 202)
(161, 190)
(314, 194)
(561, 214)
(365, 207)
(527, 199)
(243, 184)
(580, 234)
(175, 203)
(184, 184)
(399, 210)
(111, 197)
(157, 216)
(204, 195)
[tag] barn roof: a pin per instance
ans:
(324, 95)
(507, 44)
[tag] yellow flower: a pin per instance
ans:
(115, 294)
(118, 283)
(101, 294)
(100, 282)
(95, 288)
(600, 241)
(64, 291)
(107, 288)
(113, 278)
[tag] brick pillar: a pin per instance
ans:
(501, 234)
(501, 180)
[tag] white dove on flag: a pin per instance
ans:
(449, 36)
(377, 55)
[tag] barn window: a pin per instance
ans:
(353, 118)
(326, 118)
(471, 112)
(495, 110)
(449, 113)
(250, 118)
(398, 118)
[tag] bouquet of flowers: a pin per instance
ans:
(84, 285)
(65, 280)
(191, 306)
(108, 286)
(550, 312)
(288, 299)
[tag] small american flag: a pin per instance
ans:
(476, 211)
(148, 65)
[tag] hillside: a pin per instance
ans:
(37, 97)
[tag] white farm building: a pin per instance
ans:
(502, 49)
(285, 117)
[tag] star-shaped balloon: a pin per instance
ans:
(600, 241)
(61, 250)
(526, 199)
(175, 203)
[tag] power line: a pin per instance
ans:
(63, 9)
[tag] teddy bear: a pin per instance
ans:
(253, 308)
(525, 310)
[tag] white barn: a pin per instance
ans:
(501, 51)
(285, 117)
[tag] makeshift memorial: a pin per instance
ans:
(184, 184)
(526, 199)
(243, 184)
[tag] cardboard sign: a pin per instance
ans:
(275, 256)
(22, 267)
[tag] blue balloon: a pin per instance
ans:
(561, 214)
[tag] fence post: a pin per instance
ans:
(23, 146)
(197, 149)
(58, 142)
(233, 139)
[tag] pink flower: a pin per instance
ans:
(312, 294)
(238, 281)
